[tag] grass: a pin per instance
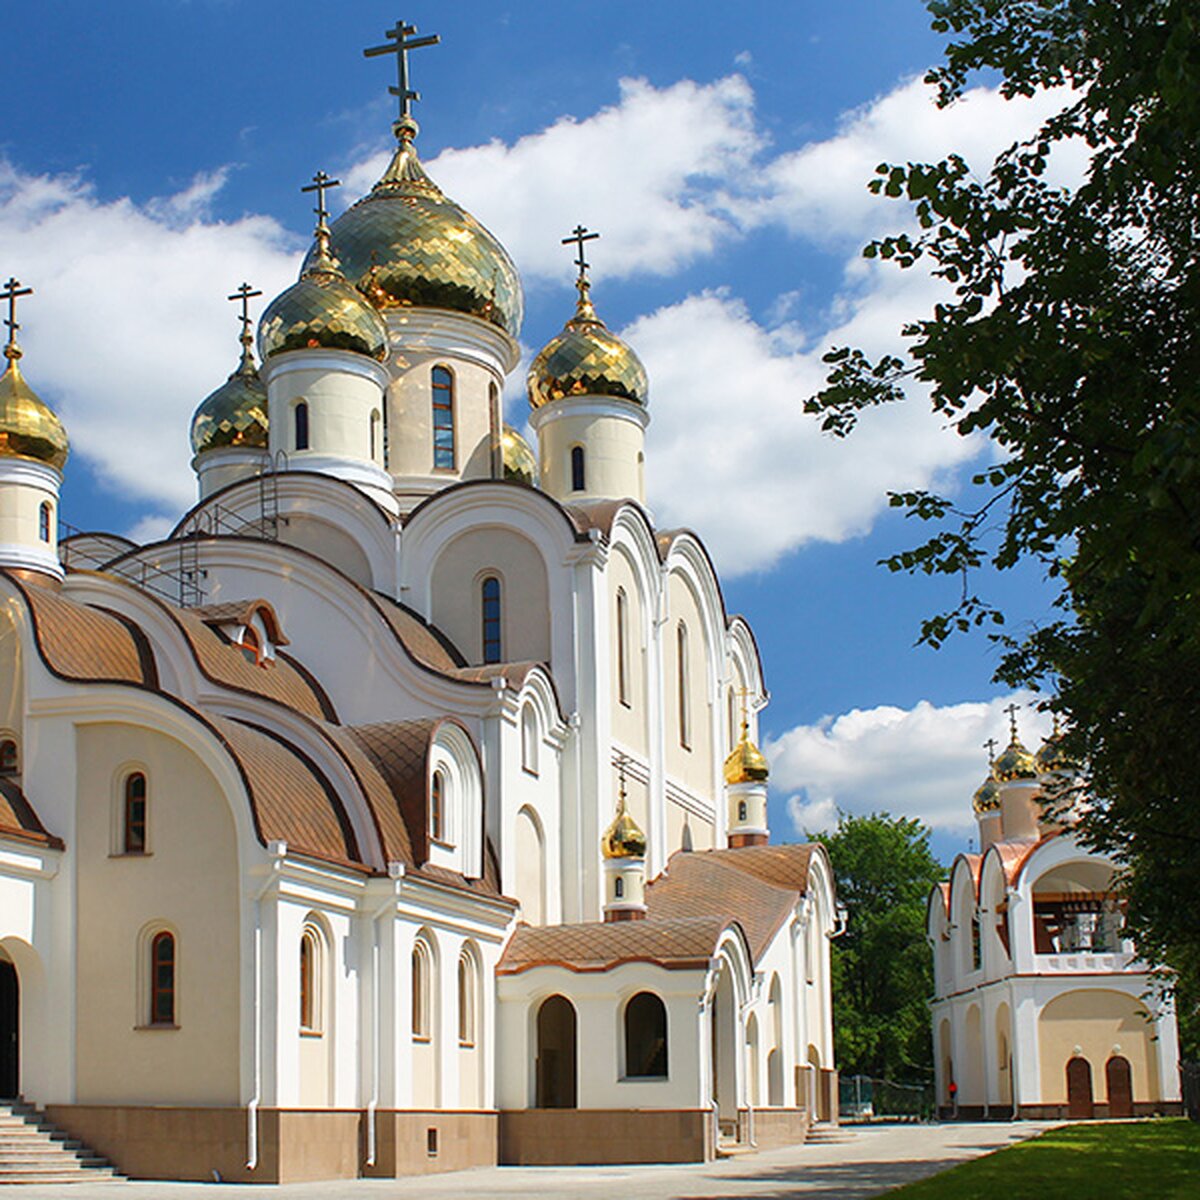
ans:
(1159, 1159)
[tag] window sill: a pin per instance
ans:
(440, 843)
(644, 1079)
(132, 854)
(530, 772)
(422, 1038)
(312, 1033)
(466, 1045)
(155, 1027)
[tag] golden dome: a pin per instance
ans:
(520, 462)
(407, 244)
(236, 413)
(1051, 756)
(623, 838)
(321, 310)
(29, 428)
(746, 763)
(586, 359)
(1015, 763)
(987, 795)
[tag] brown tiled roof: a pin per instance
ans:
(17, 818)
(512, 673)
(704, 882)
(222, 662)
(241, 612)
(400, 751)
(424, 643)
(292, 799)
(679, 945)
(785, 865)
(79, 642)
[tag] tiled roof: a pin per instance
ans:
(242, 612)
(785, 865)
(598, 946)
(513, 673)
(17, 818)
(82, 643)
(424, 643)
(292, 800)
(400, 752)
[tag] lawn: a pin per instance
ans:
(1158, 1159)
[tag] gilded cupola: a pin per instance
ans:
(321, 310)
(407, 244)
(623, 838)
(235, 415)
(1015, 762)
(29, 427)
(1051, 756)
(518, 460)
(586, 359)
(746, 763)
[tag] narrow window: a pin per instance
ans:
(375, 436)
(443, 419)
(578, 478)
(645, 1037)
(685, 716)
(622, 647)
(496, 432)
(437, 807)
(466, 1000)
(44, 522)
(529, 740)
(976, 943)
(134, 841)
(162, 980)
(490, 591)
(734, 729)
(310, 980)
(741, 810)
(619, 888)
(10, 764)
(421, 981)
(300, 420)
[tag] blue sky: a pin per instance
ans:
(152, 161)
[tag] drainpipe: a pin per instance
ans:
(278, 852)
(395, 873)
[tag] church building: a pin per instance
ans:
(400, 811)
(1041, 1006)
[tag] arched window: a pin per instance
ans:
(622, 647)
(976, 942)
(162, 979)
(133, 840)
(300, 426)
(685, 713)
(250, 646)
(490, 593)
(578, 477)
(10, 763)
(437, 807)
(44, 514)
(645, 1037)
(443, 419)
(422, 991)
(312, 948)
(742, 810)
(619, 888)
(466, 999)
(375, 428)
(529, 740)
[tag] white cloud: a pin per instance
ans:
(921, 762)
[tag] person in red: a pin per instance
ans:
(954, 1099)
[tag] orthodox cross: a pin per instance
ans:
(1012, 711)
(745, 694)
(400, 43)
(621, 760)
(245, 294)
(990, 747)
(13, 289)
(321, 184)
(579, 235)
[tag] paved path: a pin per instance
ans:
(872, 1160)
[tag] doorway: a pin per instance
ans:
(1079, 1089)
(556, 1055)
(1119, 1081)
(10, 1033)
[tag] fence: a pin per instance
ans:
(863, 1098)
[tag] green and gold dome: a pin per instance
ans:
(987, 795)
(322, 310)
(586, 359)
(623, 838)
(235, 415)
(407, 244)
(29, 427)
(517, 456)
(1015, 762)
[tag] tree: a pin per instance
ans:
(882, 969)
(1072, 339)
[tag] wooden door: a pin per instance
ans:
(1119, 1080)
(1079, 1090)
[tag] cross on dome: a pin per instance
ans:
(399, 43)
(321, 184)
(990, 747)
(1012, 711)
(579, 235)
(13, 289)
(245, 294)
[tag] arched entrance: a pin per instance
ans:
(1079, 1089)
(555, 1064)
(723, 1015)
(10, 1040)
(1118, 1080)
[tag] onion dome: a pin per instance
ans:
(987, 795)
(1015, 762)
(29, 428)
(520, 462)
(236, 413)
(746, 763)
(322, 310)
(623, 838)
(1051, 757)
(406, 244)
(586, 359)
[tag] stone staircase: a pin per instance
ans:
(827, 1135)
(34, 1151)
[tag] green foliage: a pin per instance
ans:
(1070, 336)
(882, 972)
(1156, 1158)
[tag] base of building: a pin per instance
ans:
(543, 1137)
(1055, 1112)
(294, 1145)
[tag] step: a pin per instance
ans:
(34, 1151)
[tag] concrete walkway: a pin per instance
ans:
(869, 1160)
